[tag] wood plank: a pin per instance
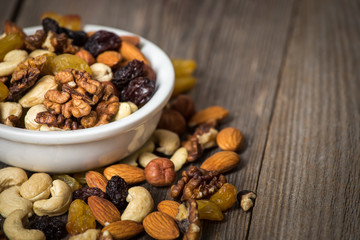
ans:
(6, 10)
(309, 187)
(238, 46)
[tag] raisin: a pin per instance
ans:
(225, 197)
(101, 41)
(52, 227)
(73, 184)
(10, 42)
(117, 190)
(85, 192)
(132, 70)
(209, 210)
(50, 24)
(64, 61)
(138, 91)
(4, 91)
(80, 218)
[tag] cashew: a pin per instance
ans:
(145, 158)
(37, 187)
(11, 200)
(14, 229)
(208, 139)
(125, 109)
(46, 128)
(36, 95)
(58, 204)
(140, 204)
(133, 107)
(11, 60)
(179, 158)
(168, 141)
(7, 109)
(31, 115)
(11, 176)
(39, 52)
(148, 146)
(101, 72)
(90, 234)
(47, 43)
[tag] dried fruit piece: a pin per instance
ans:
(183, 67)
(221, 161)
(125, 229)
(183, 84)
(4, 91)
(10, 42)
(102, 41)
(161, 226)
(225, 197)
(138, 91)
(169, 207)
(96, 179)
(85, 192)
(103, 210)
(209, 210)
(64, 61)
(74, 185)
(230, 139)
(52, 227)
(80, 218)
(130, 174)
(117, 190)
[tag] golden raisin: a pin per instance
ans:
(209, 210)
(64, 61)
(80, 218)
(10, 42)
(73, 184)
(183, 67)
(4, 91)
(225, 197)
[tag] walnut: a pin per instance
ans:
(59, 43)
(197, 183)
(25, 76)
(89, 120)
(193, 147)
(33, 42)
(188, 220)
(52, 119)
(107, 109)
(246, 199)
(75, 107)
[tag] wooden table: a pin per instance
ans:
(289, 73)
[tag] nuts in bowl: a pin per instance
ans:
(70, 107)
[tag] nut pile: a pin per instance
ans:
(62, 78)
(112, 202)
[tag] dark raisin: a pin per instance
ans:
(102, 41)
(85, 192)
(132, 70)
(79, 37)
(138, 91)
(50, 24)
(117, 190)
(52, 227)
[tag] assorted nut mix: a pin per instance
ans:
(94, 79)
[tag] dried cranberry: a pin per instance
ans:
(132, 70)
(138, 91)
(52, 227)
(117, 190)
(85, 192)
(102, 41)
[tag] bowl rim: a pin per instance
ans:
(161, 64)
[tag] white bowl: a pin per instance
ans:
(80, 150)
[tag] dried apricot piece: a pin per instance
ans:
(225, 197)
(80, 218)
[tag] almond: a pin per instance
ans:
(130, 174)
(216, 113)
(131, 52)
(161, 226)
(135, 40)
(123, 229)
(103, 210)
(110, 58)
(221, 161)
(229, 139)
(169, 207)
(96, 179)
(86, 56)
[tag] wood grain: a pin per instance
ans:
(309, 186)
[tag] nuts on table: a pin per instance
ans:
(14, 229)
(140, 204)
(125, 229)
(11, 176)
(173, 121)
(221, 161)
(160, 172)
(169, 207)
(188, 220)
(179, 158)
(161, 226)
(145, 158)
(130, 174)
(230, 139)
(216, 113)
(11, 200)
(103, 210)
(96, 179)
(58, 204)
(184, 105)
(148, 146)
(168, 141)
(11, 60)
(37, 187)
(246, 199)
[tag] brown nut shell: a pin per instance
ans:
(169, 207)
(124, 229)
(221, 161)
(230, 139)
(160, 172)
(103, 210)
(212, 113)
(161, 226)
(130, 174)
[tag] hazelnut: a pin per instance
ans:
(160, 172)
(246, 199)
(185, 105)
(86, 56)
(173, 121)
